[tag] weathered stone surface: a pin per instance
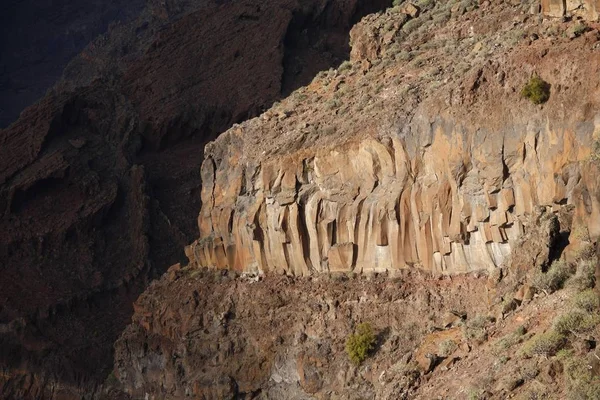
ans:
(205, 334)
(554, 8)
(371, 198)
(588, 9)
(442, 185)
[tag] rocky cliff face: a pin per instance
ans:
(211, 342)
(434, 163)
(98, 181)
(419, 154)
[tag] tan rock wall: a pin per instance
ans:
(447, 199)
(588, 9)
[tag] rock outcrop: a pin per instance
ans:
(443, 180)
(98, 181)
(588, 9)
(211, 341)
(418, 154)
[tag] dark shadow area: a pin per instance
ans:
(39, 38)
(319, 40)
(116, 177)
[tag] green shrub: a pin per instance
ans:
(425, 3)
(584, 277)
(412, 25)
(544, 344)
(506, 342)
(447, 347)
(536, 90)
(576, 321)
(520, 331)
(474, 329)
(345, 66)
(529, 371)
(553, 279)
(579, 29)
(587, 300)
(359, 344)
(580, 380)
(475, 394)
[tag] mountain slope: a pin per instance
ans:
(421, 156)
(98, 187)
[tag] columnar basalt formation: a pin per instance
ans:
(588, 9)
(446, 183)
(419, 153)
(447, 199)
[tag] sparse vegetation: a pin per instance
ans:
(529, 371)
(575, 321)
(412, 25)
(584, 276)
(587, 300)
(509, 340)
(581, 382)
(360, 343)
(553, 279)
(545, 344)
(475, 394)
(537, 90)
(474, 329)
(346, 65)
(579, 29)
(447, 347)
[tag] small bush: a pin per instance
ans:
(576, 321)
(359, 344)
(412, 25)
(544, 344)
(584, 278)
(529, 371)
(345, 66)
(521, 330)
(506, 342)
(475, 394)
(587, 300)
(474, 329)
(553, 279)
(447, 347)
(579, 29)
(425, 3)
(536, 90)
(580, 379)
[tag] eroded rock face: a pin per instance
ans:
(588, 9)
(418, 155)
(447, 186)
(223, 336)
(445, 199)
